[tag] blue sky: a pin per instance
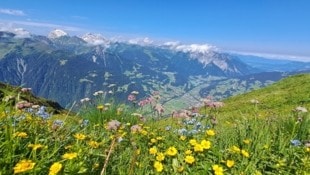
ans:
(256, 26)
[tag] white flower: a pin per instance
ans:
(254, 101)
(84, 100)
(301, 109)
(135, 92)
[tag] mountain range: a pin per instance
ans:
(68, 68)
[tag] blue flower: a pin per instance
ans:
(295, 142)
(30, 110)
(42, 113)
(58, 123)
(193, 132)
(190, 121)
(85, 123)
(208, 126)
(198, 125)
(182, 131)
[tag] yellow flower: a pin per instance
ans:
(35, 146)
(171, 151)
(138, 151)
(189, 159)
(193, 142)
(281, 163)
(182, 138)
(217, 170)
(210, 132)
(308, 149)
(55, 168)
(143, 132)
(235, 149)
(68, 147)
(188, 152)
(245, 153)
(230, 163)
(198, 148)
(153, 140)
(258, 173)
(2, 114)
(79, 136)
(119, 111)
(23, 165)
(100, 107)
(93, 144)
(246, 141)
(69, 156)
(158, 166)
(96, 165)
(153, 150)
(21, 134)
(160, 157)
(159, 138)
(205, 144)
(180, 169)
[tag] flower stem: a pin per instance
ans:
(108, 156)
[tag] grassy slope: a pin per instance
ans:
(279, 98)
(8, 90)
(263, 146)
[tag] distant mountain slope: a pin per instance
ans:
(67, 68)
(281, 97)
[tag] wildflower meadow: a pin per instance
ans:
(140, 137)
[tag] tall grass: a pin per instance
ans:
(245, 144)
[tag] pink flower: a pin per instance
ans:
(113, 125)
(136, 128)
(145, 101)
(26, 89)
(131, 97)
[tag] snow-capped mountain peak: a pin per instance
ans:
(57, 33)
(95, 39)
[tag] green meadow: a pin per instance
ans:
(263, 132)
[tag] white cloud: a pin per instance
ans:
(47, 25)
(21, 33)
(274, 56)
(141, 41)
(172, 43)
(198, 48)
(12, 12)
(37, 27)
